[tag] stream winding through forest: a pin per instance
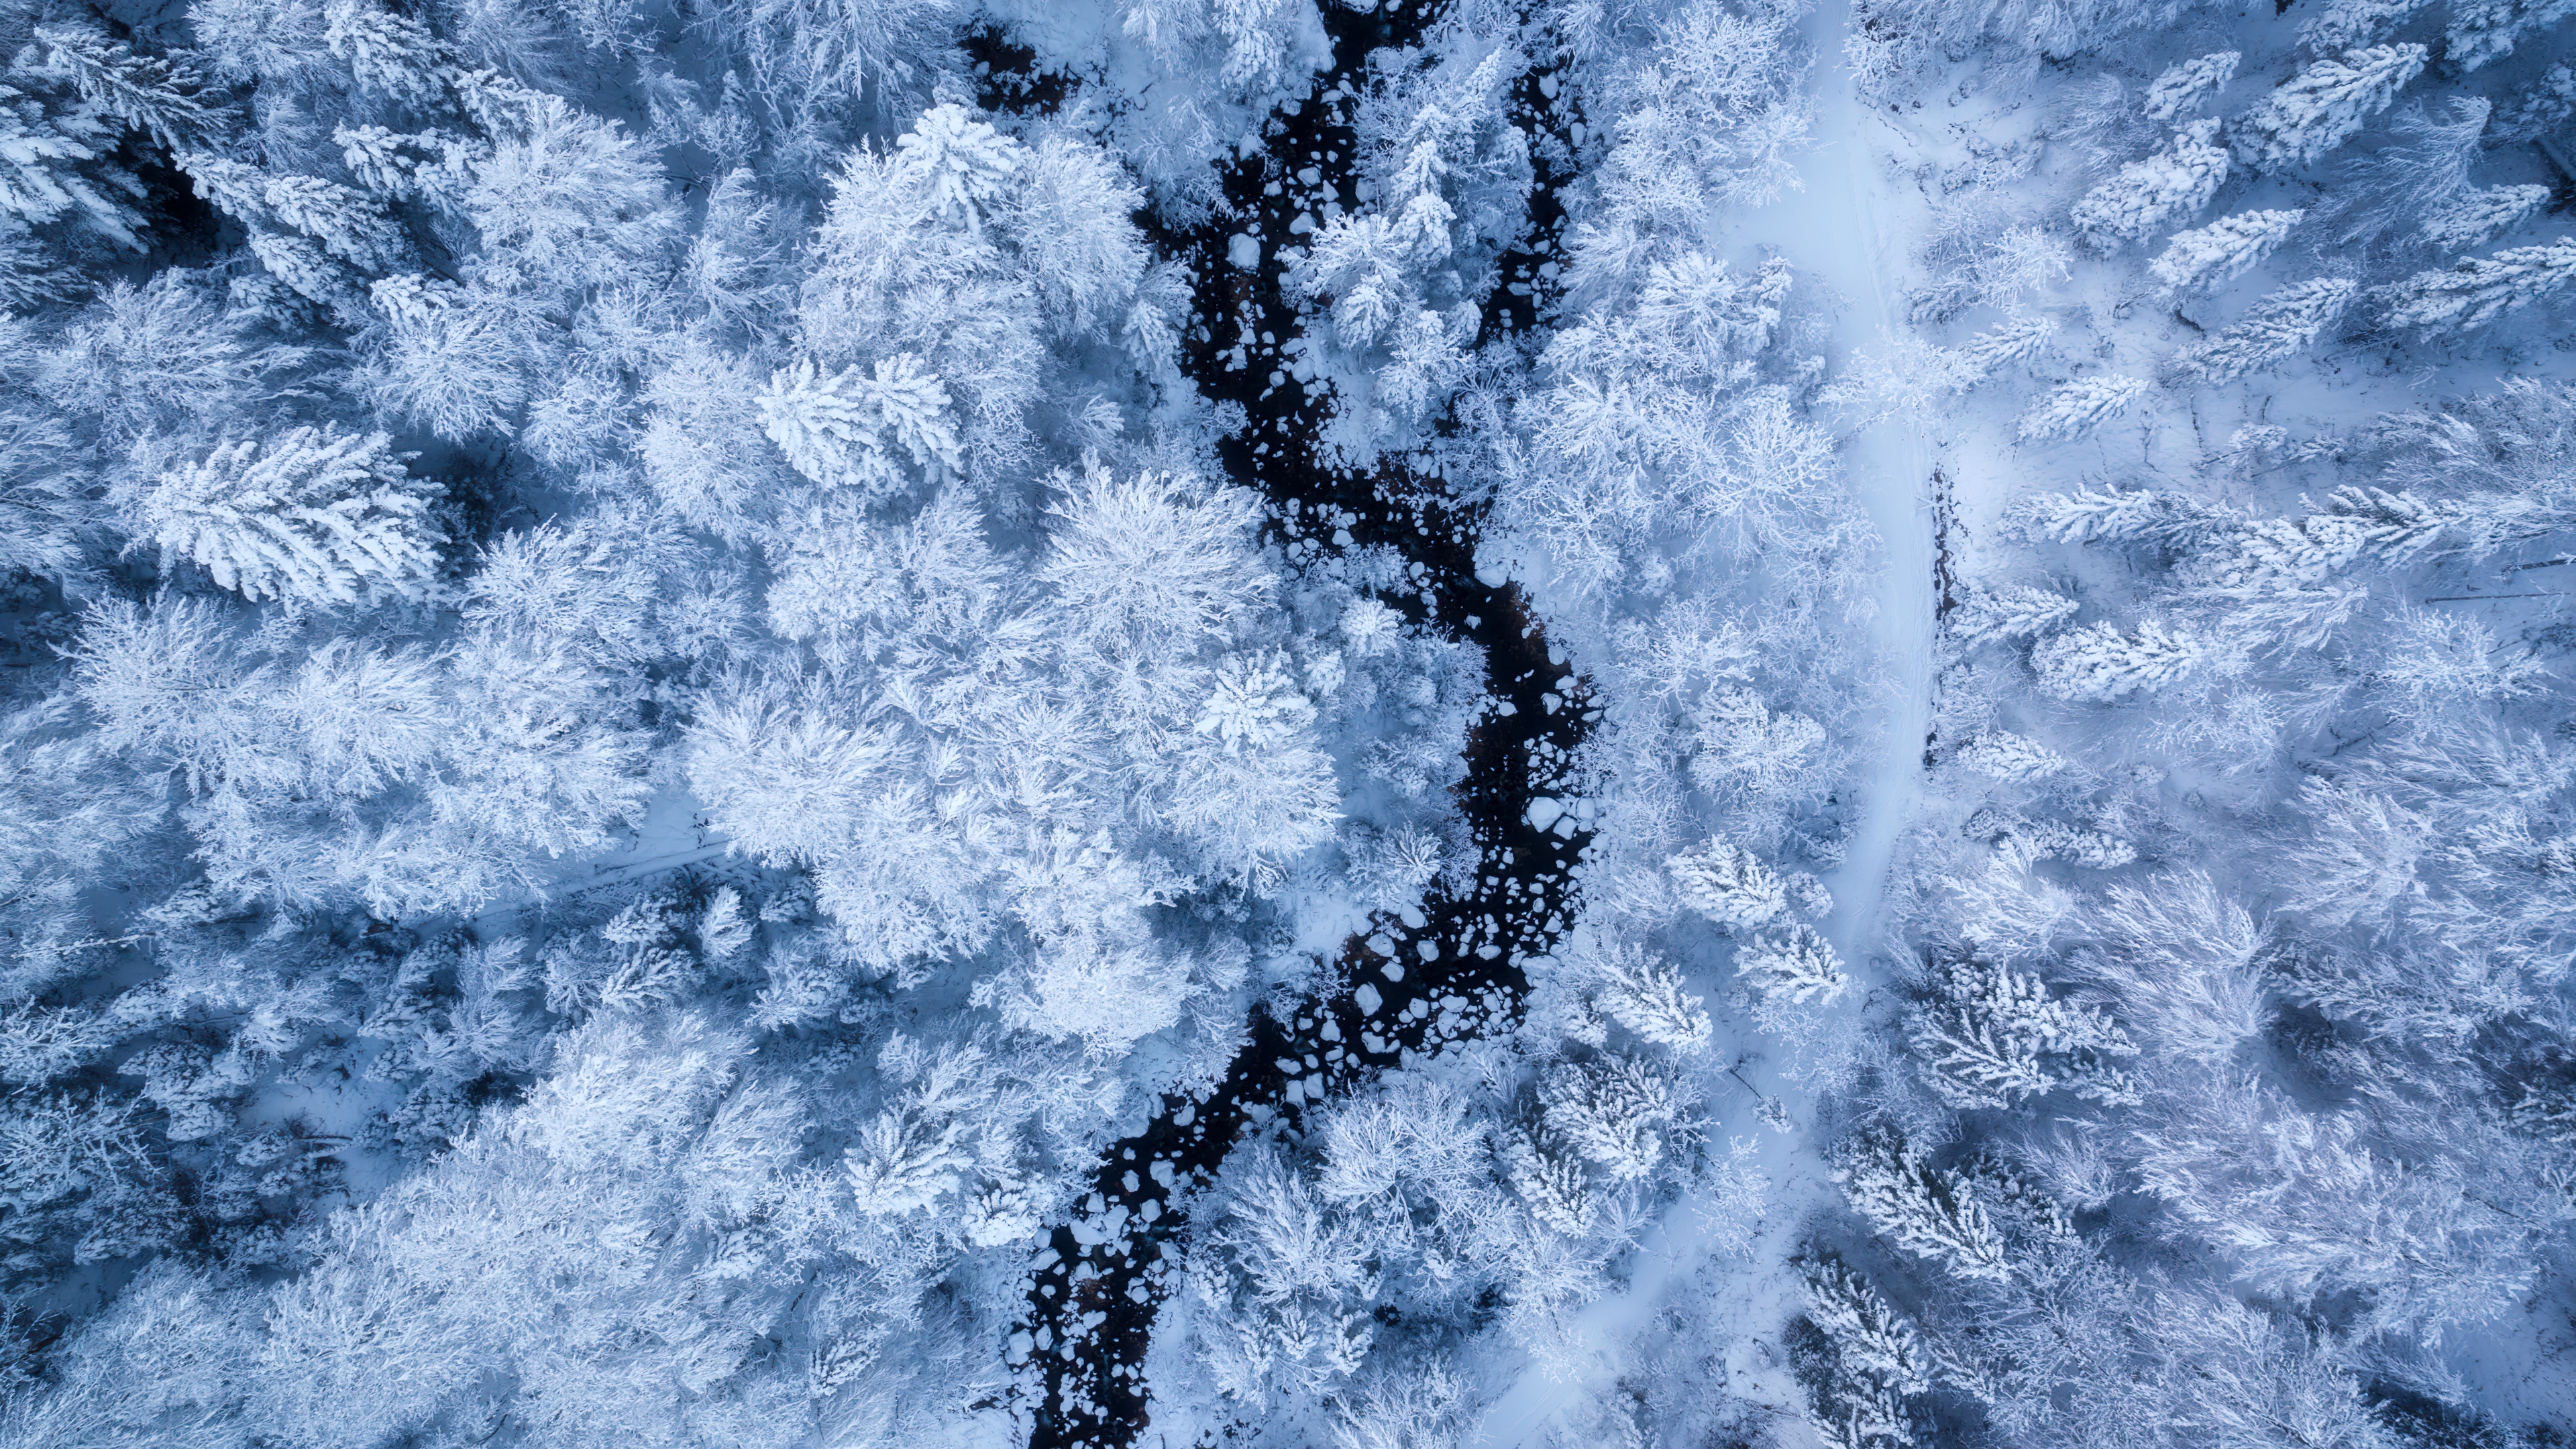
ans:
(1449, 971)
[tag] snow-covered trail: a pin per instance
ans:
(1843, 228)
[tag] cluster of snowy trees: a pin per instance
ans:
(2211, 1097)
(639, 716)
(642, 732)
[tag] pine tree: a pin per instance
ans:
(1797, 964)
(2185, 83)
(2223, 250)
(2473, 292)
(1872, 1341)
(2345, 24)
(1549, 1179)
(2280, 327)
(2146, 194)
(1612, 1110)
(40, 153)
(2321, 107)
(2487, 30)
(1255, 703)
(1729, 885)
(389, 54)
(2018, 340)
(843, 429)
(2074, 409)
(151, 94)
(2097, 662)
(2475, 215)
(2012, 611)
(963, 162)
(311, 518)
(346, 223)
(2543, 107)
(1933, 1214)
(2003, 755)
(1990, 1037)
(1643, 992)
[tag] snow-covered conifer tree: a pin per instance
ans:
(2222, 250)
(2017, 340)
(1612, 1110)
(1871, 1338)
(1729, 885)
(2098, 662)
(2282, 326)
(1797, 964)
(963, 163)
(2074, 409)
(1643, 992)
(1924, 1210)
(2475, 291)
(52, 166)
(153, 94)
(2322, 106)
(845, 428)
(2540, 108)
(1989, 1036)
(388, 52)
(2012, 611)
(2186, 83)
(2008, 756)
(2145, 195)
(309, 517)
(2487, 30)
(2473, 216)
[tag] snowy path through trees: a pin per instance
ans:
(1836, 229)
(1839, 229)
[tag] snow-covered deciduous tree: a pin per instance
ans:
(2402, 186)
(2186, 83)
(2074, 409)
(2146, 195)
(1989, 1036)
(1751, 751)
(1797, 964)
(2223, 250)
(2475, 291)
(308, 517)
(2322, 106)
(2284, 325)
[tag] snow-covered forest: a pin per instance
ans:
(1390, 724)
